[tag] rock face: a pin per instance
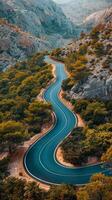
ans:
(16, 45)
(99, 61)
(94, 88)
(41, 18)
(37, 25)
(78, 10)
(96, 18)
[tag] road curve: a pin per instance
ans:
(40, 160)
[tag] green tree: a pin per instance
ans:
(62, 192)
(99, 188)
(99, 49)
(107, 158)
(95, 111)
(37, 114)
(95, 33)
(12, 133)
(12, 189)
(33, 192)
(17, 189)
(4, 167)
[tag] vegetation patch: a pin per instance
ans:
(99, 188)
(93, 140)
(21, 115)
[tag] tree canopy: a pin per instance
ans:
(21, 115)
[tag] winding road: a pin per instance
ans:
(40, 160)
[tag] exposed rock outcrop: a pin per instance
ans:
(41, 18)
(16, 45)
(96, 18)
(29, 26)
(78, 10)
(98, 53)
(44, 21)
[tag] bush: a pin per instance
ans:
(95, 33)
(4, 167)
(99, 49)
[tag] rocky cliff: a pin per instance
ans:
(17, 45)
(29, 26)
(99, 17)
(78, 10)
(40, 18)
(90, 61)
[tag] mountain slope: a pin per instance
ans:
(99, 17)
(41, 18)
(78, 10)
(17, 45)
(37, 25)
(89, 62)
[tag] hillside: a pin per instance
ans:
(44, 20)
(90, 64)
(16, 44)
(27, 27)
(78, 10)
(89, 90)
(98, 17)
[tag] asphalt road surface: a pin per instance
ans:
(40, 160)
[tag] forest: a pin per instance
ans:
(21, 114)
(99, 188)
(95, 139)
